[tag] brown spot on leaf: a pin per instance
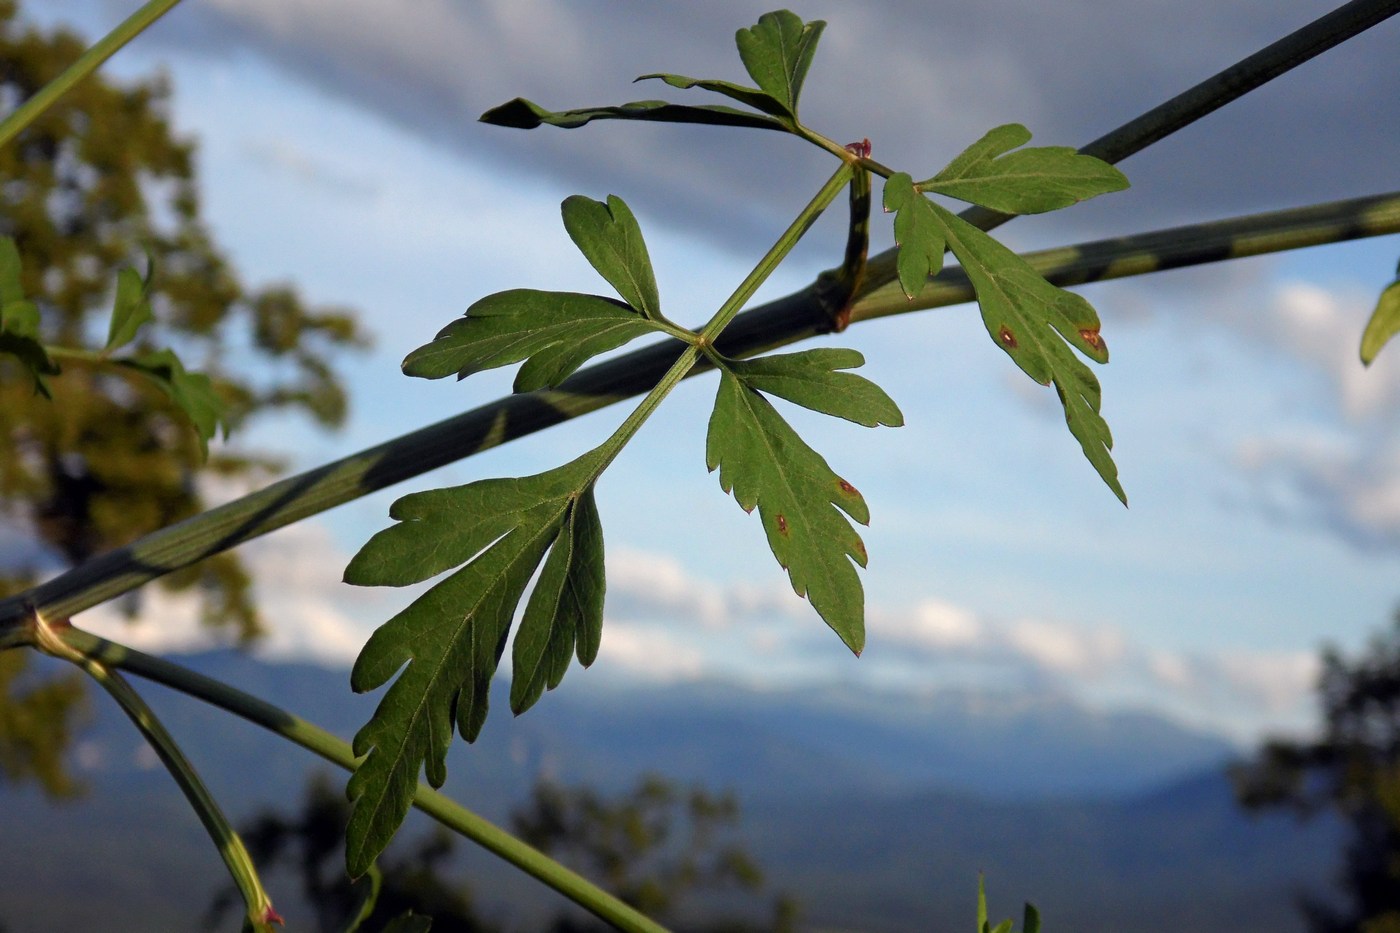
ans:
(782, 524)
(1091, 336)
(860, 546)
(847, 488)
(1007, 338)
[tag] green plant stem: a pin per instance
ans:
(320, 742)
(775, 324)
(51, 640)
(86, 64)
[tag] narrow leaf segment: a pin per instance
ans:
(765, 463)
(19, 322)
(446, 645)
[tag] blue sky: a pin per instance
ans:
(338, 150)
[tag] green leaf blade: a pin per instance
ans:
(1028, 181)
(19, 337)
(917, 232)
(1036, 324)
(524, 114)
(555, 332)
(765, 464)
(610, 239)
(777, 52)
(814, 380)
(759, 100)
(1383, 324)
(442, 651)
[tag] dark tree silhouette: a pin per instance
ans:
(1352, 769)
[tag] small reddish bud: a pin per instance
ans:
(860, 150)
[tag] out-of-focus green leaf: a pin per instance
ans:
(554, 332)
(1028, 181)
(610, 239)
(446, 645)
(1384, 322)
(193, 393)
(813, 379)
(19, 321)
(368, 889)
(526, 115)
(132, 307)
(917, 231)
(19, 337)
(777, 51)
(1031, 923)
(764, 462)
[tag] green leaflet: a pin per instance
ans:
(1384, 322)
(555, 332)
(812, 379)
(1036, 323)
(526, 115)
(763, 461)
(608, 236)
(756, 98)
(1028, 181)
(917, 231)
(445, 646)
(777, 51)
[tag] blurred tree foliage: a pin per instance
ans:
(1353, 769)
(99, 181)
(652, 847)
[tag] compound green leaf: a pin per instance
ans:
(554, 332)
(564, 614)
(446, 645)
(192, 393)
(777, 51)
(917, 231)
(813, 379)
(611, 240)
(764, 463)
(526, 115)
(1384, 323)
(1036, 324)
(131, 309)
(1028, 181)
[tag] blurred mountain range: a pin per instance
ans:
(876, 811)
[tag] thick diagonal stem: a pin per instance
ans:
(775, 324)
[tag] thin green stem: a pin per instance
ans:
(776, 254)
(50, 639)
(778, 323)
(320, 742)
(86, 64)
